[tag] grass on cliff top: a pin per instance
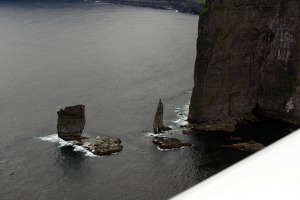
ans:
(206, 8)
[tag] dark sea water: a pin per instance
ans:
(118, 61)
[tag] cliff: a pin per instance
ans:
(185, 6)
(247, 57)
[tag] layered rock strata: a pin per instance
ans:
(248, 55)
(71, 121)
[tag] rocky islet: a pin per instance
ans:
(158, 127)
(70, 125)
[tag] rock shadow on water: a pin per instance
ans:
(68, 154)
(214, 151)
(73, 165)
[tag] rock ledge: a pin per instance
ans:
(169, 143)
(250, 146)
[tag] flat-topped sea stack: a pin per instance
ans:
(70, 125)
(71, 121)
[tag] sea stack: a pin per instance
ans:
(158, 126)
(158, 119)
(71, 121)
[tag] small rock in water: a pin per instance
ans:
(234, 138)
(250, 146)
(169, 143)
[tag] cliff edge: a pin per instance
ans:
(248, 55)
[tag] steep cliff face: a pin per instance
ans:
(248, 54)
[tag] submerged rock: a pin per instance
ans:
(250, 146)
(169, 143)
(234, 138)
(71, 121)
(158, 126)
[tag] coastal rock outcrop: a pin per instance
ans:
(169, 143)
(71, 121)
(70, 125)
(102, 145)
(158, 126)
(248, 55)
(250, 146)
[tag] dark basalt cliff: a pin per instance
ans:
(247, 57)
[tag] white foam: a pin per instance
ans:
(169, 149)
(181, 122)
(172, 127)
(85, 151)
(182, 114)
(63, 143)
(151, 134)
(177, 110)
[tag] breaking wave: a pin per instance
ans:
(182, 114)
(63, 143)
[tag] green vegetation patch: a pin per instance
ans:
(199, 1)
(206, 8)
